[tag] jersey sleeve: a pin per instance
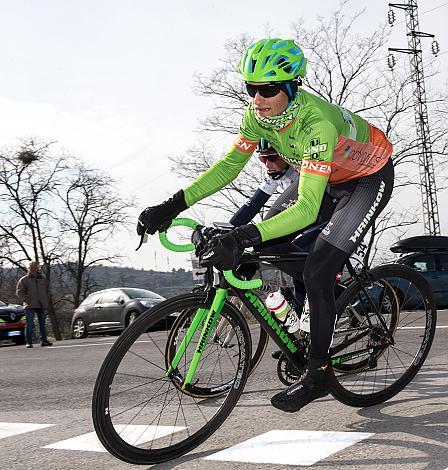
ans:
(314, 174)
(250, 208)
(226, 169)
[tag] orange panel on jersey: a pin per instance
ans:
(353, 160)
(244, 145)
(316, 168)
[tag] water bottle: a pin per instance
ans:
(279, 306)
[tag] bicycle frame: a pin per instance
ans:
(287, 342)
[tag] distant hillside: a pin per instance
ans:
(167, 284)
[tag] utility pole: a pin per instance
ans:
(426, 166)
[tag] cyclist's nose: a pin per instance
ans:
(258, 99)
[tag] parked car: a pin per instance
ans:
(429, 256)
(111, 310)
(12, 322)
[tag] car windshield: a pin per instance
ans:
(3, 304)
(141, 294)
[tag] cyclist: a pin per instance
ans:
(335, 149)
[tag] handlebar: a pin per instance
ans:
(180, 222)
(228, 275)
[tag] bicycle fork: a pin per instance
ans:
(208, 317)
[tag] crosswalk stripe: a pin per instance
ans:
(133, 434)
(13, 429)
(289, 447)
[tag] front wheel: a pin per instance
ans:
(384, 332)
(144, 415)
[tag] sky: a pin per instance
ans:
(112, 81)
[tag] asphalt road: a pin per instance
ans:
(53, 387)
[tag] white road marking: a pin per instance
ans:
(290, 447)
(420, 327)
(13, 429)
(95, 344)
(107, 341)
(133, 434)
(79, 345)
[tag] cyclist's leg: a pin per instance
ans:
(354, 215)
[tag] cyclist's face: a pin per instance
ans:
(273, 164)
(269, 106)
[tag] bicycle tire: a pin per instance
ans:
(355, 393)
(105, 397)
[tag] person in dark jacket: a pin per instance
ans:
(32, 291)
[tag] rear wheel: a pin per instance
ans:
(131, 317)
(388, 336)
(143, 415)
(79, 329)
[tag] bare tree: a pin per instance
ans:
(28, 228)
(92, 210)
(61, 213)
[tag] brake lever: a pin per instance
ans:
(143, 239)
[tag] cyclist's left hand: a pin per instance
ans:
(225, 251)
(160, 217)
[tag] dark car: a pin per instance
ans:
(111, 310)
(429, 256)
(12, 322)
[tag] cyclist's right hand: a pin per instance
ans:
(159, 218)
(201, 236)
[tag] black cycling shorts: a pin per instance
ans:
(348, 208)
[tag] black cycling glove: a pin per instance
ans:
(225, 251)
(160, 217)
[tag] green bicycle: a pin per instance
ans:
(159, 394)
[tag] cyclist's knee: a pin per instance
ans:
(322, 265)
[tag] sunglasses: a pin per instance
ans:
(270, 158)
(266, 91)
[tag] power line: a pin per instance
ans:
(426, 166)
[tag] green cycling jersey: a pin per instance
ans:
(328, 143)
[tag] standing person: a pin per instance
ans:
(32, 291)
(335, 149)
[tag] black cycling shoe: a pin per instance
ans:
(316, 384)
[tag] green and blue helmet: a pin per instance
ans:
(272, 60)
